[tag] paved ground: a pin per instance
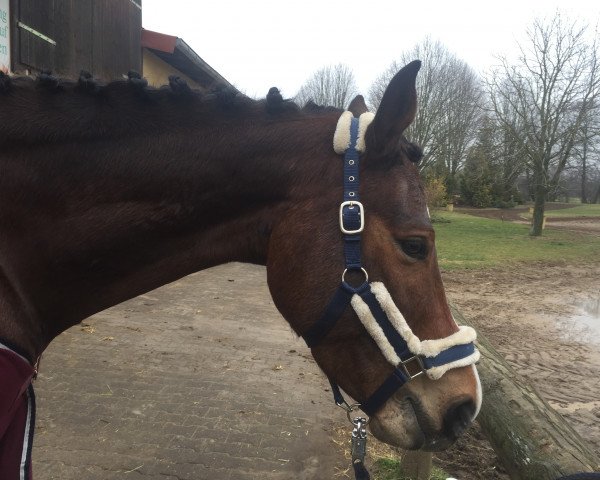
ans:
(201, 379)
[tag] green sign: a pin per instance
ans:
(4, 36)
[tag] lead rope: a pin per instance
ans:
(359, 448)
(358, 440)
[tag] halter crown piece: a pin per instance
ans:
(372, 302)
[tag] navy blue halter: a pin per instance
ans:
(351, 215)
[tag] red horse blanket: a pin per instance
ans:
(17, 415)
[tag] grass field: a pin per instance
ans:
(581, 210)
(390, 469)
(465, 241)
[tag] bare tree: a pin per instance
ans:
(449, 94)
(332, 86)
(543, 100)
(586, 151)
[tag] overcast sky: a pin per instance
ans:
(259, 44)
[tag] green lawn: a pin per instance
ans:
(391, 469)
(581, 210)
(465, 241)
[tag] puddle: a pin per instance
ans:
(584, 323)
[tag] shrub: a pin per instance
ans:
(435, 191)
(482, 197)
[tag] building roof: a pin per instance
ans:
(174, 51)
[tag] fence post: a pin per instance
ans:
(416, 465)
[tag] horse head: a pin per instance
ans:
(306, 259)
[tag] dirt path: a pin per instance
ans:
(527, 312)
(520, 214)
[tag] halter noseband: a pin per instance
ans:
(372, 302)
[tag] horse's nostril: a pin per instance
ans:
(458, 418)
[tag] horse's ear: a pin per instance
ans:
(358, 106)
(396, 111)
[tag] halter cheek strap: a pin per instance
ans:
(372, 302)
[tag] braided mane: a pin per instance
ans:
(50, 109)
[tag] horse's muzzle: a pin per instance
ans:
(458, 418)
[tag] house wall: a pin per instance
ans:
(67, 36)
(157, 71)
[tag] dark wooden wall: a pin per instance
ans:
(100, 36)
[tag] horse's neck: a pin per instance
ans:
(101, 222)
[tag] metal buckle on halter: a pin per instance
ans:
(419, 363)
(361, 212)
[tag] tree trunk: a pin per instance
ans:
(532, 440)
(530, 195)
(596, 198)
(584, 173)
(538, 210)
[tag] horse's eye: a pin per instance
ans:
(414, 247)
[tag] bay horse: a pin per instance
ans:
(109, 191)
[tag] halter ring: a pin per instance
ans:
(362, 270)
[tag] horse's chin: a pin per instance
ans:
(398, 424)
